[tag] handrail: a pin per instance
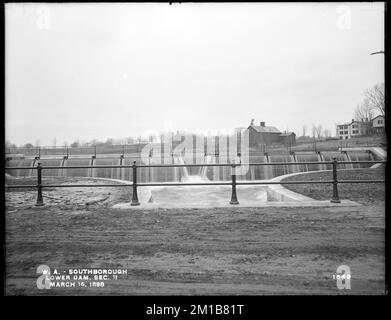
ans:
(233, 183)
(198, 165)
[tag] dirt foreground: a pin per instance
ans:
(234, 251)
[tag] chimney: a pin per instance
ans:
(262, 123)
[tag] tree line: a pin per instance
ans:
(78, 143)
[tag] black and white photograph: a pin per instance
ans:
(195, 149)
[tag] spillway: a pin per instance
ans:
(181, 174)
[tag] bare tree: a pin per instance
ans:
(9, 144)
(75, 144)
(304, 130)
(117, 142)
(313, 131)
(363, 112)
(28, 145)
(374, 97)
(327, 133)
(129, 140)
(109, 141)
(318, 131)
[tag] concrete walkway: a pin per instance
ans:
(249, 196)
(203, 205)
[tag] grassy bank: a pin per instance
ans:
(333, 145)
(365, 193)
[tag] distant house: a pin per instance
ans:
(360, 128)
(343, 131)
(352, 129)
(288, 138)
(262, 135)
(378, 125)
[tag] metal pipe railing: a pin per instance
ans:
(234, 198)
(201, 165)
(335, 198)
(177, 184)
(135, 201)
(39, 186)
(233, 183)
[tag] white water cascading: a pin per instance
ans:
(204, 169)
(197, 174)
(348, 165)
(183, 170)
(64, 171)
(61, 170)
(320, 159)
(295, 168)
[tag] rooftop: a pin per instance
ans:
(268, 129)
(351, 122)
(377, 117)
(286, 134)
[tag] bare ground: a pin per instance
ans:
(364, 193)
(192, 251)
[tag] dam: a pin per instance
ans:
(191, 173)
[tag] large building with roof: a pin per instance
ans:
(378, 125)
(352, 129)
(266, 135)
(361, 128)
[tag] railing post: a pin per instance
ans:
(134, 178)
(95, 151)
(39, 185)
(335, 198)
(234, 199)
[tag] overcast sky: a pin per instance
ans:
(84, 71)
